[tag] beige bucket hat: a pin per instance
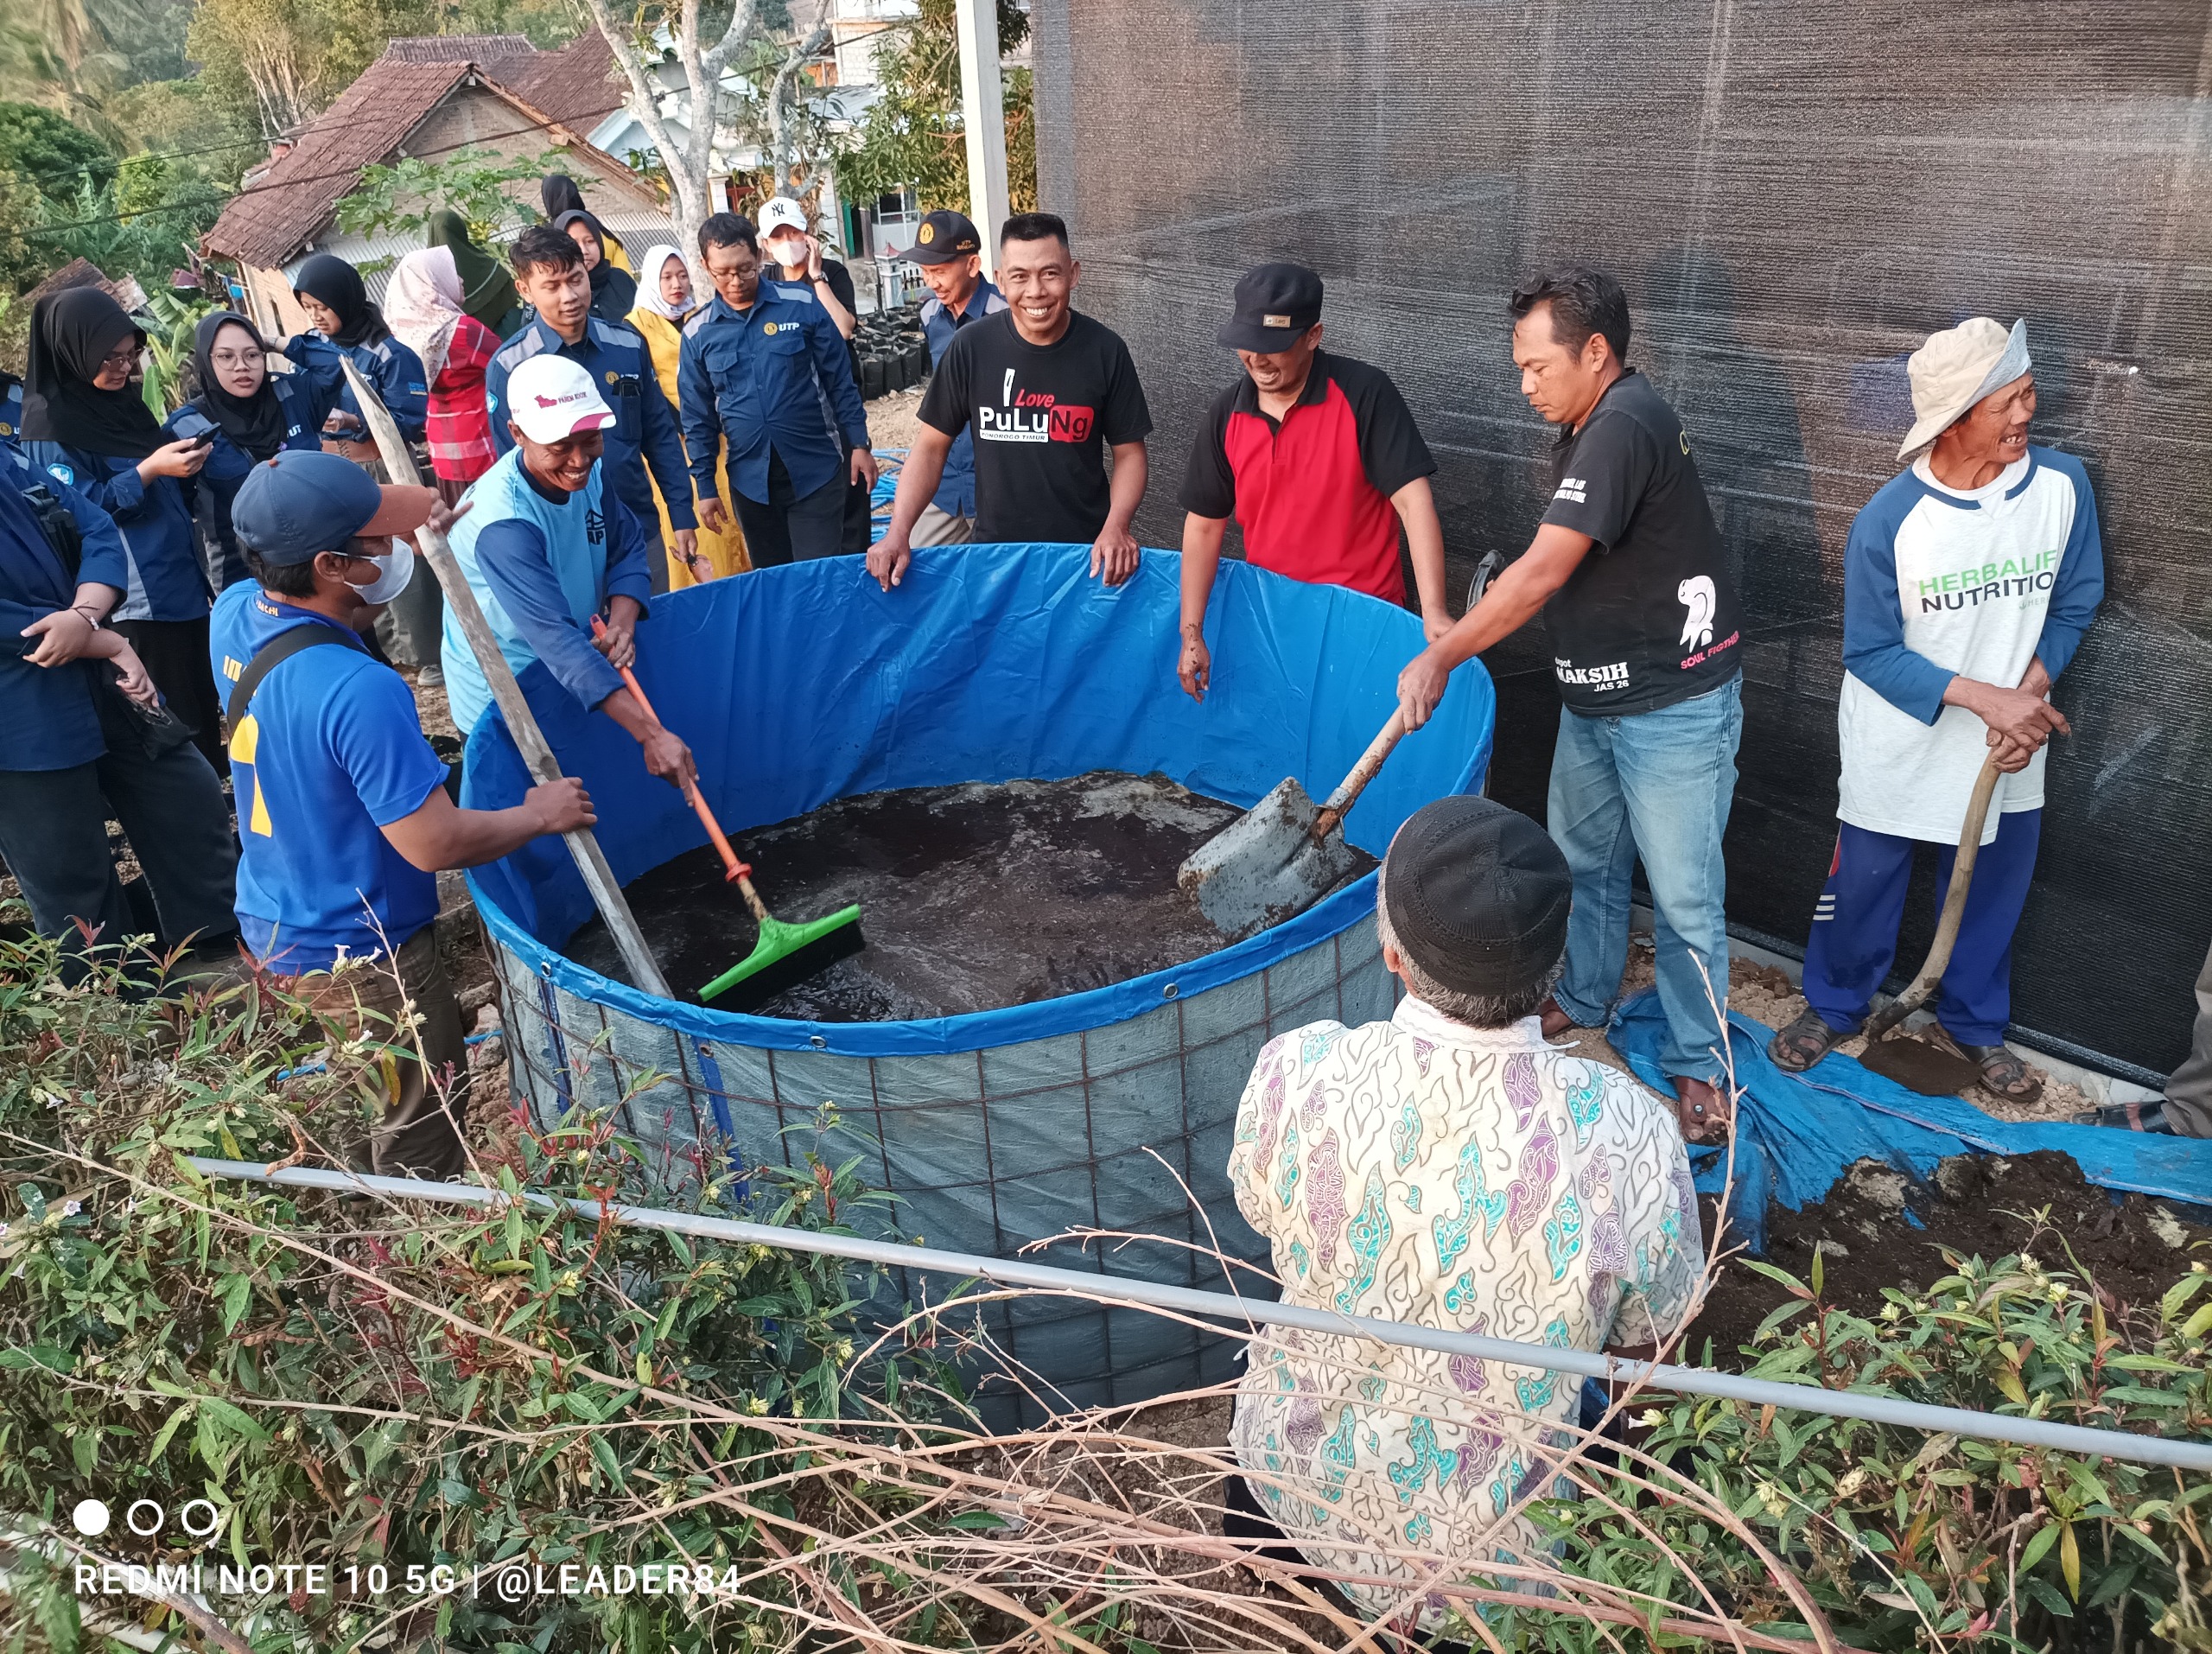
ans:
(1957, 368)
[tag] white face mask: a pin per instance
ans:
(394, 572)
(790, 251)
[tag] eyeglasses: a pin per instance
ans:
(233, 358)
(125, 356)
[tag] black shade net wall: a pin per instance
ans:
(1793, 196)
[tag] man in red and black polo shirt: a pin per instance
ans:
(1318, 459)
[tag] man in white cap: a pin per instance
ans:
(546, 546)
(1968, 581)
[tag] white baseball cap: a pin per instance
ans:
(553, 399)
(781, 212)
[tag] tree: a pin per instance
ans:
(473, 182)
(915, 136)
(51, 152)
(748, 80)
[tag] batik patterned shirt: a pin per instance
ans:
(1420, 1170)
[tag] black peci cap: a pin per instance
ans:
(944, 236)
(1478, 895)
(1275, 304)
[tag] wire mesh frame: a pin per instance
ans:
(988, 1150)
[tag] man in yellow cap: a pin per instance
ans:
(1968, 581)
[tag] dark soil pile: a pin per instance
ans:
(2132, 1246)
(971, 897)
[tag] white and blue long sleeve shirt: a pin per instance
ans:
(1943, 582)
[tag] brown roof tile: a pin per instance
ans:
(577, 85)
(270, 219)
(486, 49)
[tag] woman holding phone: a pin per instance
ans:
(86, 426)
(245, 414)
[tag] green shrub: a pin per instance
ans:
(375, 1386)
(1910, 1542)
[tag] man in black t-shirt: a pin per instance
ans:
(1042, 391)
(1627, 571)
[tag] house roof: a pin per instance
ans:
(486, 49)
(574, 85)
(285, 206)
(278, 211)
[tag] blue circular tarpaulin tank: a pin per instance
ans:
(799, 685)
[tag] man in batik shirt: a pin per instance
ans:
(1448, 1168)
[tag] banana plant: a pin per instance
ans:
(168, 346)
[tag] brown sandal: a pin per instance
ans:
(1703, 1110)
(2003, 1072)
(1803, 1043)
(1556, 1022)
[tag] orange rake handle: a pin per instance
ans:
(732, 868)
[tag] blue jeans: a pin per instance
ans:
(1658, 785)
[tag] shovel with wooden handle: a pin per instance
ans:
(1923, 1067)
(530, 740)
(1283, 854)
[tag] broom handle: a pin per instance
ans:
(1348, 793)
(733, 870)
(530, 740)
(1955, 907)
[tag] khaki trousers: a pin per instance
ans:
(416, 1137)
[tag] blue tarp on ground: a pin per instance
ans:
(1797, 1134)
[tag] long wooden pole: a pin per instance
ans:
(522, 724)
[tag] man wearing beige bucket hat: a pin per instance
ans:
(1968, 581)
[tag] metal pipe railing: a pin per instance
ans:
(1250, 1313)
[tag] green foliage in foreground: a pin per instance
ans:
(404, 1395)
(476, 183)
(1909, 1542)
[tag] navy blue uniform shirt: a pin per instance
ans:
(393, 368)
(645, 431)
(163, 579)
(956, 489)
(47, 719)
(308, 398)
(776, 375)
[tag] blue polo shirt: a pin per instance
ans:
(46, 718)
(644, 436)
(777, 374)
(956, 489)
(307, 398)
(330, 753)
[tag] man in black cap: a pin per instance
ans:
(951, 254)
(1450, 1168)
(1320, 460)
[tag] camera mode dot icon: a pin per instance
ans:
(90, 1518)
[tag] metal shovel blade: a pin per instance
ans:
(1265, 866)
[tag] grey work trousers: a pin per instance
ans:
(2189, 1093)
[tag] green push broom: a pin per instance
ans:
(783, 954)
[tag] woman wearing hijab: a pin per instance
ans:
(488, 286)
(427, 308)
(559, 192)
(332, 293)
(249, 415)
(664, 304)
(86, 425)
(613, 291)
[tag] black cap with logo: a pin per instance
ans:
(1275, 304)
(944, 236)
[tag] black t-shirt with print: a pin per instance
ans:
(1042, 417)
(1648, 617)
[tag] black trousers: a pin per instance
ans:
(176, 653)
(53, 834)
(790, 526)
